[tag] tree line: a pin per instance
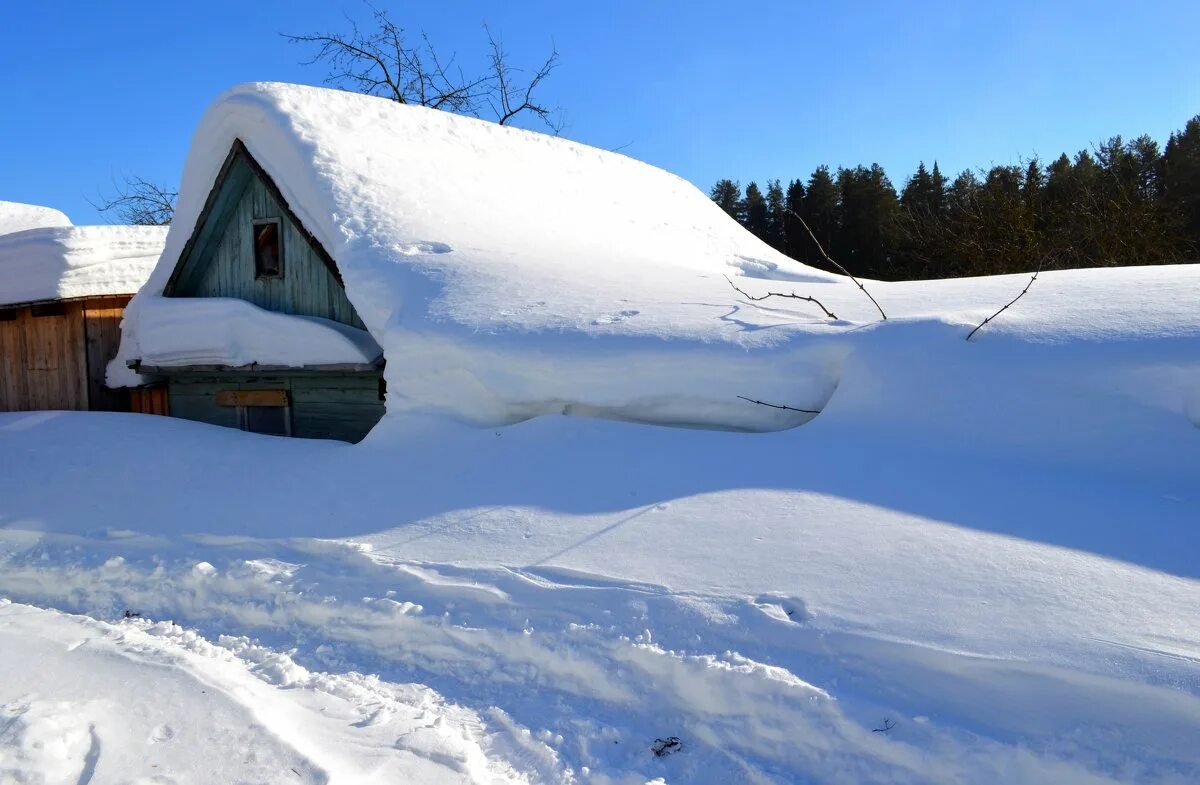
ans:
(1122, 203)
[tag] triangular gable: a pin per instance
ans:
(217, 260)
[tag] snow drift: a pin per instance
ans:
(62, 262)
(17, 217)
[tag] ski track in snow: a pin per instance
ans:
(567, 677)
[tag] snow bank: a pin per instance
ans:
(63, 262)
(221, 331)
(17, 217)
(508, 274)
(84, 701)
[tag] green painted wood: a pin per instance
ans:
(324, 406)
(221, 261)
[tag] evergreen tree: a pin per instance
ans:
(793, 234)
(776, 216)
(821, 214)
(1181, 183)
(728, 196)
(754, 211)
(869, 221)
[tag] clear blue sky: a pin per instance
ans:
(95, 90)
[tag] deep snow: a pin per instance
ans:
(63, 262)
(768, 598)
(17, 217)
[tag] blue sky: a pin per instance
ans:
(93, 91)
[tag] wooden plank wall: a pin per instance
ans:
(307, 287)
(149, 400)
(102, 333)
(324, 405)
(43, 360)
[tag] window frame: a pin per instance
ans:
(277, 222)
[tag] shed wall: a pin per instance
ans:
(324, 405)
(43, 360)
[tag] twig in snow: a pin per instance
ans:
(887, 726)
(979, 326)
(663, 747)
(834, 262)
(793, 296)
(780, 406)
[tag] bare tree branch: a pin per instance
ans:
(831, 260)
(139, 202)
(979, 326)
(780, 406)
(381, 62)
(792, 295)
(504, 99)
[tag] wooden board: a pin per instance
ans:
(102, 332)
(149, 400)
(43, 362)
(252, 398)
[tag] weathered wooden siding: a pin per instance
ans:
(324, 405)
(102, 333)
(226, 266)
(43, 361)
(149, 400)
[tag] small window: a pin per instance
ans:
(8, 314)
(48, 309)
(268, 248)
(260, 411)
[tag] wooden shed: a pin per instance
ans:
(62, 294)
(248, 245)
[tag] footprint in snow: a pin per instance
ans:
(782, 607)
(614, 318)
(160, 734)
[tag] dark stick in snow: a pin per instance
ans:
(834, 262)
(780, 406)
(979, 326)
(793, 296)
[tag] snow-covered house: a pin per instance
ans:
(63, 290)
(500, 273)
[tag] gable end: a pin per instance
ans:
(218, 258)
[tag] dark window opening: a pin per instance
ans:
(48, 309)
(271, 420)
(268, 249)
(8, 314)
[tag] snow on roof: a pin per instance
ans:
(16, 217)
(63, 262)
(508, 274)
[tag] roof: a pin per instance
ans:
(507, 273)
(66, 262)
(16, 217)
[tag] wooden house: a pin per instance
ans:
(248, 245)
(63, 290)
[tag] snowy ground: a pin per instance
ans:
(542, 602)
(979, 563)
